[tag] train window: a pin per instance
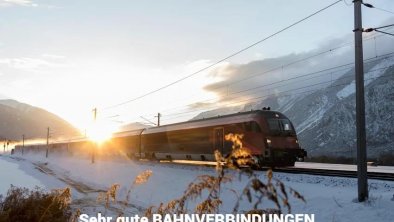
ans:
(286, 125)
(280, 125)
(274, 124)
(252, 126)
(248, 126)
(256, 127)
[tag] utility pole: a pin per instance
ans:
(46, 155)
(95, 142)
(94, 114)
(360, 105)
(158, 119)
(23, 142)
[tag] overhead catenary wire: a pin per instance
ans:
(343, 66)
(388, 55)
(374, 7)
(306, 58)
(223, 59)
(279, 94)
(276, 95)
(276, 82)
(384, 10)
(377, 29)
(281, 67)
(189, 112)
(384, 32)
(367, 38)
(290, 90)
(241, 102)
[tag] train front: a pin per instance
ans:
(281, 146)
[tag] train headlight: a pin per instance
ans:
(297, 141)
(269, 142)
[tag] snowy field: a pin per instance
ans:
(347, 167)
(329, 198)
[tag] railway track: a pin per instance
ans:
(308, 171)
(336, 173)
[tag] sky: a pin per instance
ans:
(69, 57)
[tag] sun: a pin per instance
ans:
(100, 132)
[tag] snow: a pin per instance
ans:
(347, 90)
(315, 116)
(11, 174)
(287, 102)
(378, 70)
(371, 75)
(329, 198)
(348, 167)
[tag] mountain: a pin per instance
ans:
(17, 119)
(132, 126)
(325, 118)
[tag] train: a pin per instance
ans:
(268, 136)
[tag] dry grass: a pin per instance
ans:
(205, 191)
(21, 204)
(109, 195)
(207, 188)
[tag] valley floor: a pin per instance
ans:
(329, 198)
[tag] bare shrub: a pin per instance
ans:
(255, 191)
(111, 193)
(206, 189)
(273, 190)
(22, 204)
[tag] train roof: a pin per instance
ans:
(191, 124)
(204, 122)
(135, 132)
(217, 120)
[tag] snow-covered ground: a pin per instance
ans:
(348, 167)
(11, 173)
(329, 198)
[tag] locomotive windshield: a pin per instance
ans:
(281, 126)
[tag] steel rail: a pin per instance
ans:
(297, 170)
(336, 173)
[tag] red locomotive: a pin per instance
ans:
(268, 135)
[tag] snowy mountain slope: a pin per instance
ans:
(18, 118)
(335, 133)
(325, 118)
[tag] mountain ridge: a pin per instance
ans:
(17, 119)
(325, 118)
